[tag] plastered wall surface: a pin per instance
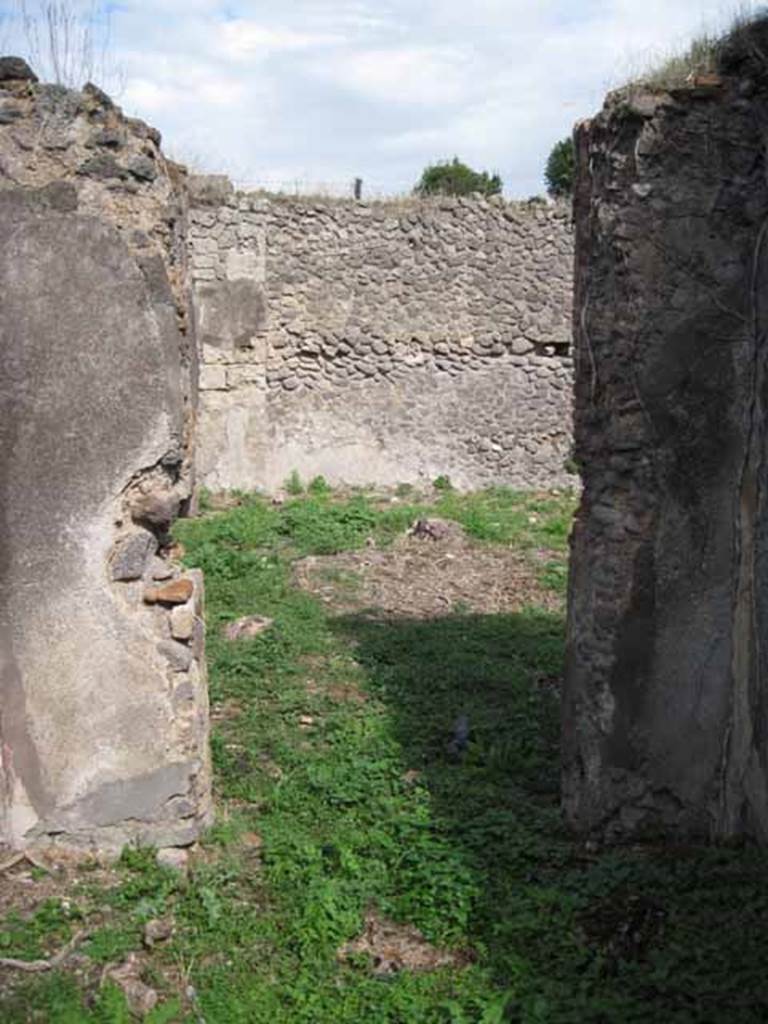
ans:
(382, 342)
(103, 701)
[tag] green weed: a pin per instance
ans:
(319, 485)
(293, 483)
(204, 499)
(365, 803)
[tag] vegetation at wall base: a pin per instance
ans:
(341, 792)
(293, 483)
(454, 178)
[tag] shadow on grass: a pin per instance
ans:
(644, 934)
(494, 678)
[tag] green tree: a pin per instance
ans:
(454, 178)
(560, 169)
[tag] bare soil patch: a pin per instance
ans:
(395, 947)
(421, 577)
(54, 875)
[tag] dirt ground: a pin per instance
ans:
(395, 947)
(26, 882)
(422, 577)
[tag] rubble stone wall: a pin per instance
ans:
(380, 342)
(665, 710)
(383, 341)
(103, 699)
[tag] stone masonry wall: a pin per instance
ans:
(666, 710)
(381, 342)
(103, 699)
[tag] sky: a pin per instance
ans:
(309, 94)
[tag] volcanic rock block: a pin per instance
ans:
(665, 710)
(15, 69)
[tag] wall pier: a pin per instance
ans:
(665, 706)
(103, 698)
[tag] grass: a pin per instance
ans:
(675, 70)
(328, 807)
(708, 52)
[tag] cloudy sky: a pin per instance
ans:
(316, 92)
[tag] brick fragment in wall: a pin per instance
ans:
(173, 593)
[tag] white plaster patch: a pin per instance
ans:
(245, 263)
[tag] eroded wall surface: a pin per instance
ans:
(103, 703)
(664, 716)
(381, 342)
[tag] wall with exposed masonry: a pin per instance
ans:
(103, 696)
(385, 341)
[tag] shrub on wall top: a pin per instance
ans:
(454, 178)
(560, 168)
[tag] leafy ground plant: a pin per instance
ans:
(386, 782)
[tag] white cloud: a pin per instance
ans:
(424, 139)
(148, 96)
(171, 94)
(244, 39)
(324, 90)
(419, 75)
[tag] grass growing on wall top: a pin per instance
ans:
(744, 40)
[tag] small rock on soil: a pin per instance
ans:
(243, 629)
